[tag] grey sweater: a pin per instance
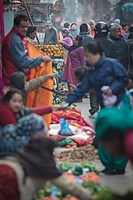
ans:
(51, 36)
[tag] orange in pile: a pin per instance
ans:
(71, 176)
(90, 177)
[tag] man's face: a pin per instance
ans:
(117, 33)
(48, 27)
(74, 27)
(23, 27)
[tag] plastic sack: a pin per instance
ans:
(108, 101)
(65, 130)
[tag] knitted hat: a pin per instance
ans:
(32, 124)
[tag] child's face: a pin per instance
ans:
(92, 59)
(16, 102)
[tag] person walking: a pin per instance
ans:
(75, 59)
(73, 31)
(85, 33)
(51, 35)
(120, 44)
(92, 24)
(130, 52)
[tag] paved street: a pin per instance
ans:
(120, 183)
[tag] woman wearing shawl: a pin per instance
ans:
(76, 59)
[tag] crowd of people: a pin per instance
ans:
(99, 62)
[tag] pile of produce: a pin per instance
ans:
(78, 154)
(63, 89)
(53, 50)
(84, 174)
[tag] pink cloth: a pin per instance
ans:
(67, 41)
(76, 59)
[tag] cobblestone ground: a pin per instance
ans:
(120, 183)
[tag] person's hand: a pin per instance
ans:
(60, 41)
(56, 107)
(64, 105)
(108, 92)
(46, 59)
(51, 76)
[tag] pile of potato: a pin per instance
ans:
(79, 154)
(53, 50)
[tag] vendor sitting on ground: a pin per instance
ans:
(25, 172)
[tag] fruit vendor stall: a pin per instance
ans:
(54, 51)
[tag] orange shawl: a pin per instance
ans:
(40, 97)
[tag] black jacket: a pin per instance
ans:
(107, 45)
(130, 57)
(86, 38)
(121, 50)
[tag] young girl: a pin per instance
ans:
(12, 108)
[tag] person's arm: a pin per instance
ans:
(42, 110)
(20, 59)
(35, 83)
(121, 78)
(46, 110)
(66, 46)
(79, 92)
(72, 188)
(18, 54)
(67, 42)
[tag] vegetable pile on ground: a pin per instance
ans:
(62, 89)
(84, 174)
(78, 154)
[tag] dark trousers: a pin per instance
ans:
(93, 103)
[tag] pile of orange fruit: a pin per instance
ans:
(53, 50)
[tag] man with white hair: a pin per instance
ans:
(120, 43)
